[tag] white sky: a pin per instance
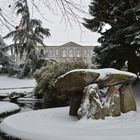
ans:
(60, 33)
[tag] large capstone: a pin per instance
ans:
(76, 80)
(127, 99)
(85, 86)
(111, 77)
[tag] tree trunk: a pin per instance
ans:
(133, 62)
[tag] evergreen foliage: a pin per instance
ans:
(7, 64)
(29, 32)
(26, 36)
(121, 43)
(46, 77)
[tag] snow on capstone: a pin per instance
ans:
(103, 72)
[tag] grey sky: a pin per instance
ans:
(60, 33)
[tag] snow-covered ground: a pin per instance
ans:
(56, 124)
(10, 84)
(6, 107)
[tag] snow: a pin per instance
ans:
(93, 88)
(103, 72)
(27, 99)
(107, 71)
(6, 107)
(11, 84)
(56, 124)
(18, 90)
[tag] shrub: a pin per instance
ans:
(45, 78)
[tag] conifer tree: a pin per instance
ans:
(121, 43)
(29, 33)
(27, 36)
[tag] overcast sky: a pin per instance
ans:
(60, 32)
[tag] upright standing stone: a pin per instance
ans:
(75, 82)
(75, 102)
(112, 104)
(127, 99)
(91, 106)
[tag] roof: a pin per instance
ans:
(72, 44)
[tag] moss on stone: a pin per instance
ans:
(115, 79)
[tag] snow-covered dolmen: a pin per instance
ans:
(97, 93)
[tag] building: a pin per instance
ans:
(65, 53)
(69, 52)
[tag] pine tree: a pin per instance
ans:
(120, 43)
(29, 33)
(7, 64)
(26, 36)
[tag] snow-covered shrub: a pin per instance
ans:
(45, 78)
(7, 64)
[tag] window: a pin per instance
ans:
(85, 61)
(85, 52)
(56, 52)
(50, 52)
(64, 53)
(90, 52)
(78, 52)
(71, 53)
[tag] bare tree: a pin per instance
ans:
(69, 10)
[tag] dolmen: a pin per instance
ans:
(98, 93)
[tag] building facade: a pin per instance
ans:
(70, 52)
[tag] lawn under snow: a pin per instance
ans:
(10, 84)
(56, 124)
